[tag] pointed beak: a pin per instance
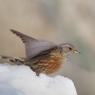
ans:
(76, 51)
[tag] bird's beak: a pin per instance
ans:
(76, 51)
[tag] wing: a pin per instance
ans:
(33, 46)
(24, 38)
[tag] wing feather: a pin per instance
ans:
(33, 46)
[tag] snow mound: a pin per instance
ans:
(21, 80)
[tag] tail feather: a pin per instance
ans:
(12, 60)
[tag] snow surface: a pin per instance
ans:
(21, 80)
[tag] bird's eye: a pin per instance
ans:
(70, 48)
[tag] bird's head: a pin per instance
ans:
(63, 49)
(68, 48)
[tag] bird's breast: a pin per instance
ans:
(47, 65)
(51, 65)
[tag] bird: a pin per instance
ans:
(42, 56)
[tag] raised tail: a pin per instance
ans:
(12, 60)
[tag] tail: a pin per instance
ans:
(12, 60)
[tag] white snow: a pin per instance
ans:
(21, 80)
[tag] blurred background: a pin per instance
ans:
(59, 21)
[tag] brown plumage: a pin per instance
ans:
(43, 56)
